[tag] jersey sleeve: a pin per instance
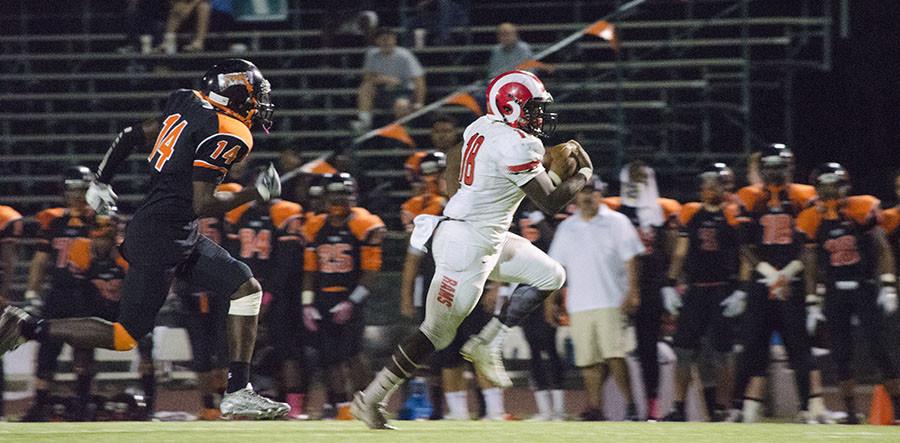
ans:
(523, 163)
(370, 230)
(310, 232)
(45, 227)
(217, 153)
(688, 211)
(11, 224)
(865, 210)
(802, 196)
(808, 223)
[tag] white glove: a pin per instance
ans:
(887, 299)
(268, 184)
(813, 313)
(734, 304)
(671, 299)
(101, 197)
(35, 303)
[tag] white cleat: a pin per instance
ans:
(371, 415)
(488, 360)
(246, 403)
(11, 321)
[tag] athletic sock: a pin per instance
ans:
(457, 405)
(679, 406)
(83, 389)
(493, 403)
(542, 400)
(384, 384)
(209, 402)
(40, 397)
(559, 402)
(850, 404)
(238, 376)
(436, 392)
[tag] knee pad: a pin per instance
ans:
(247, 305)
(122, 340)
(523, 301)
(555, 280)
(439, 337)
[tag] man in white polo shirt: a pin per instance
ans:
(597, 246)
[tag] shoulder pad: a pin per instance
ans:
(670, 207)
(233, 127)
(47, 216)
(362, 222)
(7, 216)
(802, 195)
(749, 195)
(313, 225)
(283, 210)
(808, 221)
(861, 208)
(234, 216)
(688, 211)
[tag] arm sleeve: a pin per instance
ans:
(370, 251)
(122, 146)
(216, 155)
(523, 163)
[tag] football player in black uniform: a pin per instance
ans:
(11, 227)
(342, 262)
(199, 137)
(706, 260)
(846, 246)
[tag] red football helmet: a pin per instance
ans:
(519, 97)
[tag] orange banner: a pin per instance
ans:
(396, 132)
(605, 30)
(466, 100)
(532, 64)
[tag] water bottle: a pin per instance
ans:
(417, 405)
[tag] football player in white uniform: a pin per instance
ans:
(503, 160)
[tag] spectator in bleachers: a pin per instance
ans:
(179, 12)
(602, 290)
(509, 51)
(389, 73)
(363, 21)
(438, 17)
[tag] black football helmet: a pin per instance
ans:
(434, 162)
(77, 177)
(776, 164)
(237, 88)
(718, 172)
(832, 181)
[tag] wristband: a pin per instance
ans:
(888, 278)
(554, 178)
(31, 294)
(359, 294)
(307, 297)
(813, 299)
(586, 172)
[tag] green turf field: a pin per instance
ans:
(427, 432)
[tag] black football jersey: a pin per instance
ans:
(269, 239)
(339, 254)
(769, 221)
(713, 243)
(845, 249)
(60, 232)
(195, 143)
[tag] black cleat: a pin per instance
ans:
(675, 415)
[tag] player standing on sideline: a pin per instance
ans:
(268, 237)
(501, 164)
(771, 248)
(11, 227)
(706, 259)
(342, 263)
(846, 243)
(892, 223)
(655, 219)
(200, 136)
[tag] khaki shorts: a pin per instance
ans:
(598, 335)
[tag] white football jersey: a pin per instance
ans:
(496, 160)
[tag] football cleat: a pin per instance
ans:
(11, 321)
(488, 360)
(246, 403)
(370, 414)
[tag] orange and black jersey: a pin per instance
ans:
(339, 254)
(269, 239)
(840, 230)
(654, 261)
(62, 234)
(195, 143)
(890, 221)
(768, 216)
(713, 242)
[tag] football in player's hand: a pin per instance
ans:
(562, 153)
